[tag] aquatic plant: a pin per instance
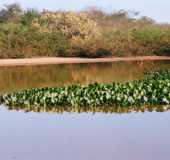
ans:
(153, 90)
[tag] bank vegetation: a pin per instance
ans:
(88, 33)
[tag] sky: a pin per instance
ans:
(159, 10)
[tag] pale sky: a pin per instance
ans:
(156, 9)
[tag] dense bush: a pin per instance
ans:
(89, 33)
(82, 32)
(29, 16)
(152, 40)
(18, 41)
(149, 40)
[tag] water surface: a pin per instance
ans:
(18, 78)
(85, 136)
(93, 134)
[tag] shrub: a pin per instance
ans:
(82, 32)
(89, 33)
(17, 41)
(152, 40)
(29, 16)
(69, 23)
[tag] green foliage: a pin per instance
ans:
(18, 41)
(29, 16)
(153, 90)
(89, 33)
(152, 40)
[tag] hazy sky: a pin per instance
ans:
(157, 9)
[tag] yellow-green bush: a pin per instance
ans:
(90, 33)
(152, 40)
(69, 23)
(17, 41)
(82, 32)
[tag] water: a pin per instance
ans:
(28, 134)
(85, 136)
(18, 78)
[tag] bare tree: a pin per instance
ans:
(11, 13)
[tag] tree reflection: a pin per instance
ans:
(19, 78)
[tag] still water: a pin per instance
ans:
(18, 78)
(28, 134)
(85, 136)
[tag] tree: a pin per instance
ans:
(29, 16)
(69, 23)
(11, 13)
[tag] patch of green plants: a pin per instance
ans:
(152, 40)
(19, 41)
(154, 90)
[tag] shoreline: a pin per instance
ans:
(75, 60)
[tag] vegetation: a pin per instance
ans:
(151, 91)
(17, 41)
(89, 33)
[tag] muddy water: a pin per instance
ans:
(18, 78)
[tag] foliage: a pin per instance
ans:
(69, 23)
(153, 90)
(150, 40)
(82, 32)
(18, 41)
(88, 33)
(153, 40)
(29, 16)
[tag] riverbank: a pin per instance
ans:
(72, 60)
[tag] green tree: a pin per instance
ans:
(29, 16)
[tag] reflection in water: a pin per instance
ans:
(32, 136)
(135, 136)
(17, 78)
(94, 109)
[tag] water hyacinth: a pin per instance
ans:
(154, 90)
